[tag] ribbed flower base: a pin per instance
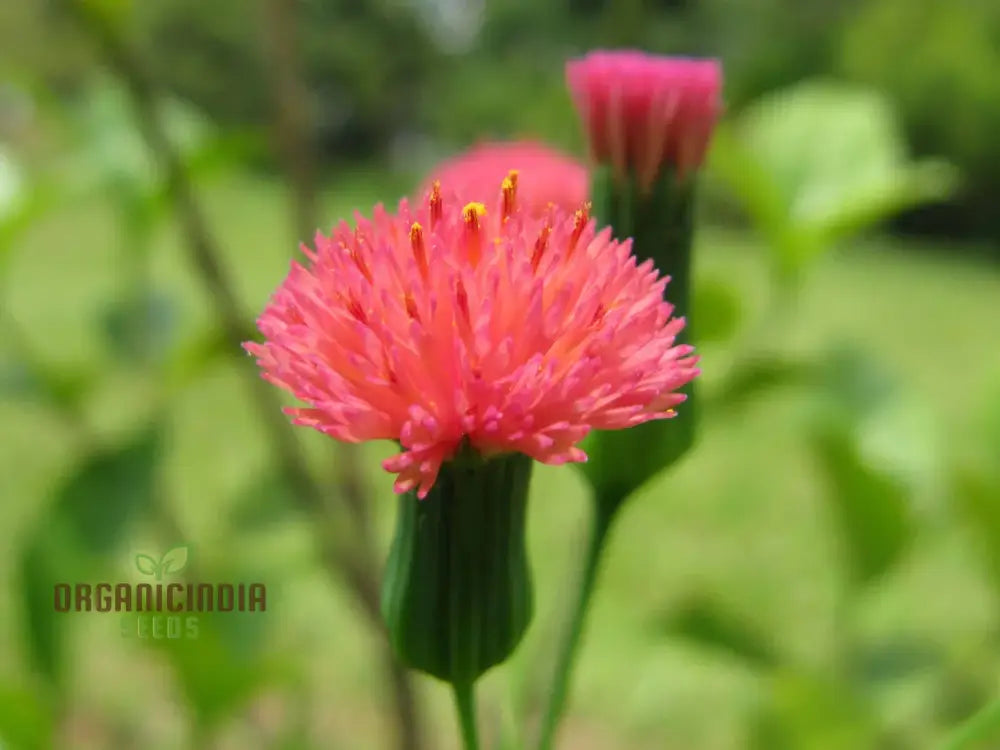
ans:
(457, 593)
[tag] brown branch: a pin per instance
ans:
(293, 136)
(358, 571)
(204, 255)
(296, 146)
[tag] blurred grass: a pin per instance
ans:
(739, 519)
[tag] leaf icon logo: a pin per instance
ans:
(147, 565)
(173, 561)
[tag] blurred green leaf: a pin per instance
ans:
(262, 502)
(706, 624)
(975, 483)
(113, 158)
(226, 664)
(894, 429)
(62, 389)
(16, 379)
(218, 152)
(21, 202)
(193, 356)
(854, 380)
(48, 558)
(217, 681)
(111, 489)
(818, 162)
(733, 163)
(928, 181)
(12, 189)
(115, 12)
(716, 310)
(836, 154)
(66, 387)
(25, 720)
(977, 491)
(809, 712)
(88, 517)
(871, 509)
(754, 377)
(981, 731)
(42, 625)
(141, 327)
(894, 659)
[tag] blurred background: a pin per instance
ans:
(822, 571)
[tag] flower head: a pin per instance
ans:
(645, 111)
(547, 176)
(469, 322)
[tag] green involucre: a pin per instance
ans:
(457, 594)
(660, 222)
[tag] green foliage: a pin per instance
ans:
(981, 728)
(60, 388)
(265, 501)
(717, 307)
(22, 201)
(768, 45)
(142, 327)
(870, 504)
(759, 375)
(86, 521)
(704, 623)
(870, 509)
(812, 166)
(363, 63)
(110, 490)
(803, 711)
(897, 658)
(975, 485)
(947, 95)
(815, 164)
(478, 100)
(26, 722)
(194, 356)
(112, 157)
(43, 563)
(224, 666)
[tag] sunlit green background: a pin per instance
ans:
(822, 572)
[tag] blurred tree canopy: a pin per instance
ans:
(457, 70)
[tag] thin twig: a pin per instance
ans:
(125, 62)
(295, 143)
(204, 256)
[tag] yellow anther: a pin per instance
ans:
(436, 204)
(472, 215)
(509, 191)
(419, 251)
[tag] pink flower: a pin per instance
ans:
(456, 321)
(642, 111)
(547, 176)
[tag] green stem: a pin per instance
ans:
(600, 525)
(465, 707)
(982, 726)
